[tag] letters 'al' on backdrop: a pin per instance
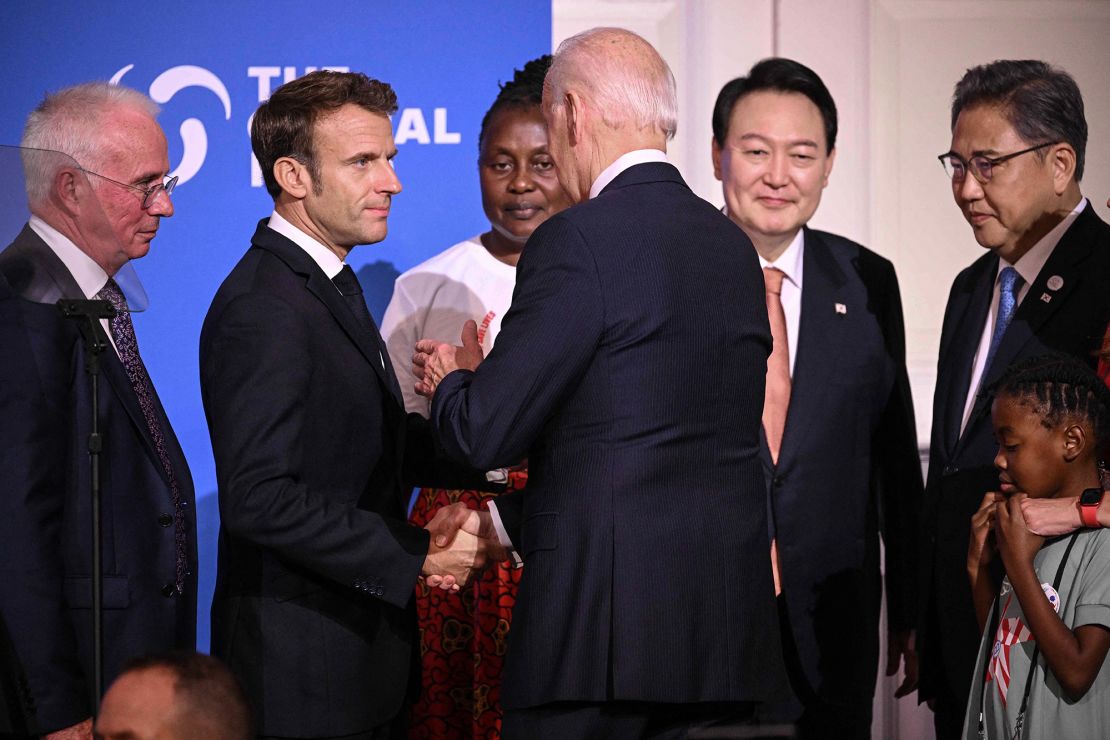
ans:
(209, 64)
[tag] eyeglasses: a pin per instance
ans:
(149, 194)
(982, 167)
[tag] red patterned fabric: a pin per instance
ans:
(462, 638)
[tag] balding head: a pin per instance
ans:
(608, 93)
(174, 696)
(622, 75)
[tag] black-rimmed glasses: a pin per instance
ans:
(149, 194)
(982, 167)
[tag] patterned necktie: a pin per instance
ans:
(123, 334)
(1009, 285)
(777, 399)
(347, 283)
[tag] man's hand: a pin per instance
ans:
(432, 361)
(445, 527)
(451, 567)
(1016, 543)
(901, 648)
(1049, 517)
(80, 731)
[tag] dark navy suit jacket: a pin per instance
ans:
(630, 372)
(848, 470)
(315, 459)
(1070, 319)
(45, 522)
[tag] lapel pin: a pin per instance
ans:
(1046, 297)
(1055, 282)
(841, 308)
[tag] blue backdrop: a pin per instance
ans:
(209, 64)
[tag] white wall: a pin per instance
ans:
(891, 66)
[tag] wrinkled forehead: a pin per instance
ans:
(131, 144)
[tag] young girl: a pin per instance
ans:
(1040, 671)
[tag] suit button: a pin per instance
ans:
(380, 591)
(165, 520)
(169, 590)
(779, 480)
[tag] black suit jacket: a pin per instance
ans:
(848, 469)
(45, 523)
(1070, 319)
(630, 371)
(317, 565)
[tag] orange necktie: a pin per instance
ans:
(777, 398)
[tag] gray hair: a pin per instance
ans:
(621, 74)
(70, 121)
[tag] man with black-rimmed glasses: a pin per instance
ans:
(1015, 162)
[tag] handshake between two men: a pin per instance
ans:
(464, 540)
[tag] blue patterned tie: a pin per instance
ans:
(123, 334)
(1009, 284)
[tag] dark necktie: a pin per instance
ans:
(347, 283)
(123, 334)
(1009, 285)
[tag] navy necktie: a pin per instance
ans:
(1009, 285)
(347, 283)
(123, 334)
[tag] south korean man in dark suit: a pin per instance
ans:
(839, 449)
(1016, 158)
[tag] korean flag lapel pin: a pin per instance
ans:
(841, 309)
(1054, 284)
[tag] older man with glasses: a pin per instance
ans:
(1015, 162)
(95, 166)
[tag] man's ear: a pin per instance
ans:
(715, 152)
(576, 122)
(828, 167)
(1063, 160)
(68, 189)
(292, 177)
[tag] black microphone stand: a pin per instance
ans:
(88, 314)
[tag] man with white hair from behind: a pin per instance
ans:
(630, 372)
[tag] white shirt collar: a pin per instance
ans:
(328, 260)
(90, 276)
(622, 163)
(1029, 264)
(790, 261)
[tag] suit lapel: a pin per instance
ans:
(365, 338)
(45, 279)
(1064, 269)
(969, 313)
(820, 341)
(115, 374)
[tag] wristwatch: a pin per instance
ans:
(1088, 507)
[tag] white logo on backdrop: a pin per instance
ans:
(194, 138)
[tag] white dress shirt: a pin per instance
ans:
(90, 277)
(328, 260)
(1029, 267)
(622, 163)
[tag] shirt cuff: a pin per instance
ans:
(503, 536)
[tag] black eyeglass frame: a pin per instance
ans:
(149, 194)
(992, 162)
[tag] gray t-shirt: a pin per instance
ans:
(1083, 597)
